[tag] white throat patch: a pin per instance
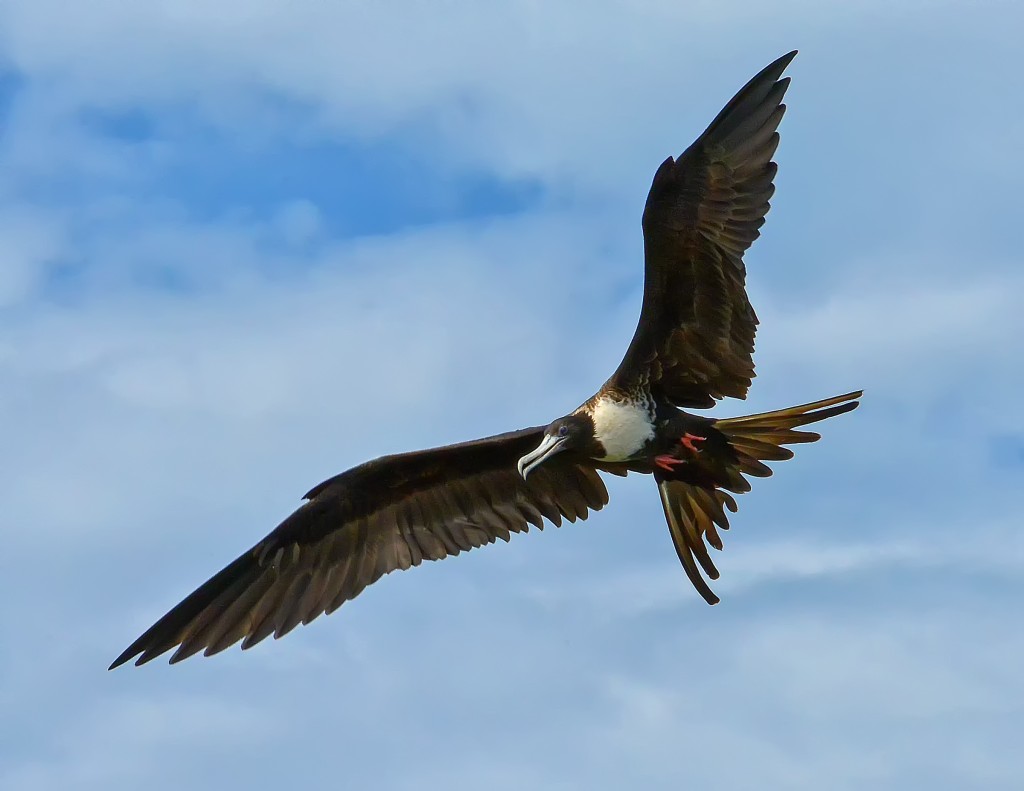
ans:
(623, 428)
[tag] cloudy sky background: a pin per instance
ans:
(246, 245)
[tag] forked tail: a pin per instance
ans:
(764, 436)
(695, 512)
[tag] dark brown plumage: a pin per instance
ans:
(693, 344)
(696, 339)
(388, 514)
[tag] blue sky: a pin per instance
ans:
(247, 245)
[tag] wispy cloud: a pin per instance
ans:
(118, 741)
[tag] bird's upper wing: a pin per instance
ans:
(388, 514)
(695, 339)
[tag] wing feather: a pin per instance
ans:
(694, 342)
(387, 515)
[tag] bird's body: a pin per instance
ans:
(693, 345)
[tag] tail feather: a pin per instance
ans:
(763, 437)
(795, 416)
(694, 512)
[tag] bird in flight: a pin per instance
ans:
(693, 345)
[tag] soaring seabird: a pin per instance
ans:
(693, 345)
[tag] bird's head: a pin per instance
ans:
(572, 432)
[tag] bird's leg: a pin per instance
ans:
(667, 462)
(689, 441)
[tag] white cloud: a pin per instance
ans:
(504, 89)
(116, 743)
(30, 241)
(772, 702)
(758, 559)
(908, 332)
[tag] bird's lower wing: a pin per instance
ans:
(389, 514)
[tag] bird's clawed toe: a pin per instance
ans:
(668, 463)
(689, 441)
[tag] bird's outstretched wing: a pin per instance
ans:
(694, 342)
(388, 514)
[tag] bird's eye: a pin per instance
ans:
(563, 431)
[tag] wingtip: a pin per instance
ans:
(779, 65)
(146, 648)
(122, 659)
(130, 654)
(783, 61)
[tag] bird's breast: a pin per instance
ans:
(623, 428)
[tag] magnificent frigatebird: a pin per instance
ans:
(693, 345)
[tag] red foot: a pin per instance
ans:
(668, 462)
(689, 441)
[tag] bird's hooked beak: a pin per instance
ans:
(549, 446)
